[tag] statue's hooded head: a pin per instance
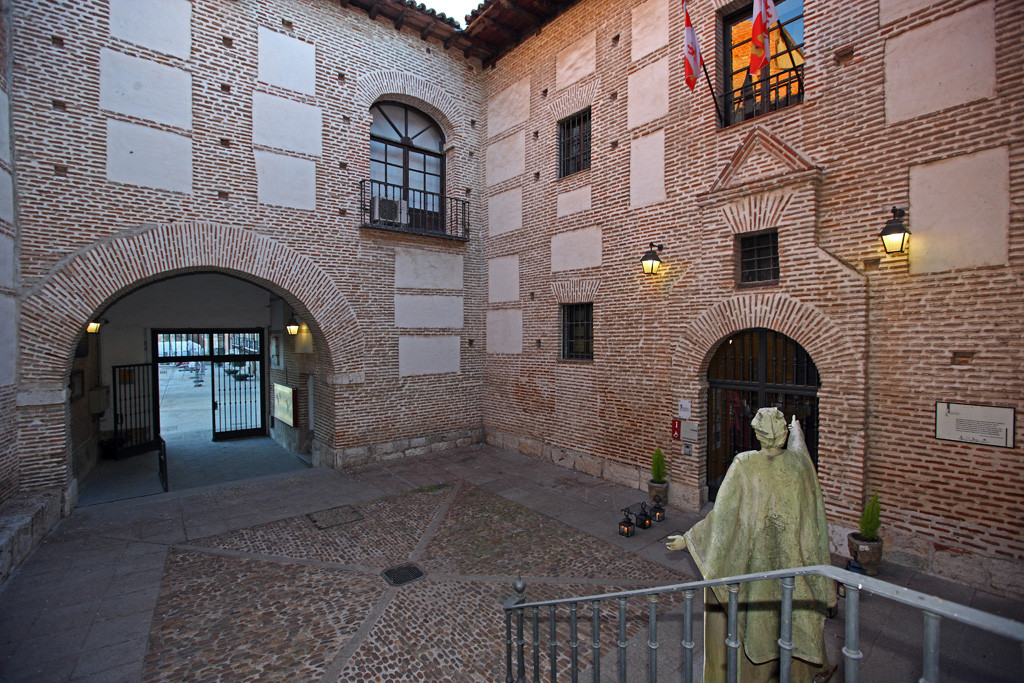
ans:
(770, 427)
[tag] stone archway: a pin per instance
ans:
(839, 357)
(55, 311)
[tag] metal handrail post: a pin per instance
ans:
(536, 646)
(930, 673)
(520, 663)
(597, 640)
(732, 640)
(574, 645)
(786, 646)
(622, 640)
(652, 632)
(688, 636)
(851, 650)
(553, 633)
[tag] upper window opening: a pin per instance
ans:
(758, 258)
(405, 190)
(578, 331)
(574, 143)
(777, 85)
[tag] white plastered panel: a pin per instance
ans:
(647, 170)
(960, 212)
(426, 269)
(161, 25)
(649, 28)
(285, 124)
(576, 249)
(942, 64)
(506, 158)
(574, 201)
(6, 196)
(509, 108)
(427, 355)
(576, 61)
(5, 127)
(505, 331)
(8, 339)
(6, 263)
(648, 94)
(286, 62)
(890, 10)
(285, 181)
(145, 89)
(503, 278)
(428, 311)
(138, 155)
(505, 211)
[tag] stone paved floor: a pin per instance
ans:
(279, 578)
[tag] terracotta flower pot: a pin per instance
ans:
(868, 554)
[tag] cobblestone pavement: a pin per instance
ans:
(279, 578)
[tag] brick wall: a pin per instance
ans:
(824, 173)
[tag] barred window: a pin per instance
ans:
(578, 331)
(780, 83)
(574, 143)
(758, 258)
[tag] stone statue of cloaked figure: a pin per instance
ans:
(769, 514)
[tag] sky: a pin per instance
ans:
(456, 9)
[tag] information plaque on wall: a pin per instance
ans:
(284, 404)
(967, 423)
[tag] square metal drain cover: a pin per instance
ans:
(402, 574)
(325, 519)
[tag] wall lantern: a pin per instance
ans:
(651, 261)
(657, 511)
(292, 327)
(626, 526)
(93, 327)
(895, 235)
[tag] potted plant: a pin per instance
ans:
(658, 485)
(866, 545)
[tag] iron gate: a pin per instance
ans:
(136, 416)
(237, 377)
(756, 368)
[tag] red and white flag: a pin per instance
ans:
(765, 15)
(694, 60)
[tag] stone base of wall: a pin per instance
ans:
(298, 441)
(401, 448)
(24, 521)
(679, 495)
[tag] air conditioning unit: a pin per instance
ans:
(385, 210)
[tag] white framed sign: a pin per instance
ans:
(968, 423)
(284, 404)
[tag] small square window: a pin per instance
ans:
(758, 256)
(578, 331)
(574, 143)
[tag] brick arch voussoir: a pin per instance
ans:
(90, 278)
(425, 95)
(832, 351)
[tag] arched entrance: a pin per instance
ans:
(756, 368)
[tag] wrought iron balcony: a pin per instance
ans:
(393, 207)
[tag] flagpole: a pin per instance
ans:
(721, 121)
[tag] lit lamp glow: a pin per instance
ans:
(651, 261)
(626, 526)
(93, 327)
(895, 235)
(292, 327)
(643, 518)
(657, 511)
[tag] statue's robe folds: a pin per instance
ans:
(768, 515)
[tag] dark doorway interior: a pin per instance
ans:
(752, 369)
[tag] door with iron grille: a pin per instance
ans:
(752, 369)
(236, 372)
(136, 417)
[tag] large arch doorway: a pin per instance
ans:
(752, 369)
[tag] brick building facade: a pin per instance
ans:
(215, 138)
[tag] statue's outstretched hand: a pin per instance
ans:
(676, 543)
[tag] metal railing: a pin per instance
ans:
(393, 207)
(765, 95)
(932, 608)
